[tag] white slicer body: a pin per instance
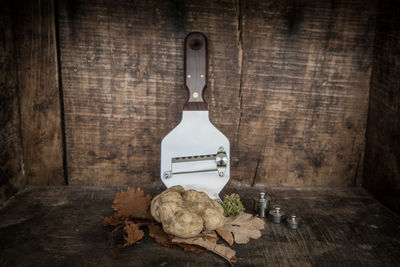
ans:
(196, 155)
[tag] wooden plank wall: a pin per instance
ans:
(288, 84)
(31, 136)
(122, 71)
(35, 39)
(382, 161)
(12, 175)
(304, 92)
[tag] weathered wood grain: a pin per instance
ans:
(382, 161)
(35, 46)
(304, 92)
(12, 177)
(61, 226)
(122, 70)
(288, 85)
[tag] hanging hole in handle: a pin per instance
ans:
(195, 44)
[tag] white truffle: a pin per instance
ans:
(184, 224)
(213, 219)
(186, 213)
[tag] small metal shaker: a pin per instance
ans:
(292, 222)
(263, 205)
(276, 215)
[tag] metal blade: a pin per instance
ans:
(195, 135)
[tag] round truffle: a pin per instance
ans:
(186, 213)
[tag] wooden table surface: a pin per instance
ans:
(61, 226)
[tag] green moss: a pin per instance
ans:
(232, 205)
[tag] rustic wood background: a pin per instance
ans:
(30, 129)
(288, 85)
(11, 178)
(382, 161)
(94, 86)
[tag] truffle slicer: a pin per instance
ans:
(195, 154)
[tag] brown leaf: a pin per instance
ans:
(190, 248)
(111, 240)
(242, 235)
(156, 232)
(134, 234)
(132, 203)
(226, 235)
(243, 227)
(161, 237)
(219, 249)
(209, 234)
(112, 220)
(245, 219)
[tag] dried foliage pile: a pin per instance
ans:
(132, 215)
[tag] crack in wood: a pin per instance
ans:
(240, 65)
(60, 91)
(256, 172)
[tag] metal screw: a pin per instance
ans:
(195, 95)
(202, 76)
(189, 76)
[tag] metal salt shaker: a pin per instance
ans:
(292, 222)
(276, 215)
(263, 205)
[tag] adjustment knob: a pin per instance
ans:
(221, 159)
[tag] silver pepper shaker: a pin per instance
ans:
(276, 215)
(292, 222)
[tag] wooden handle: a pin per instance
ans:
(195, 70)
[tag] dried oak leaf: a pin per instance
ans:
(156, 232)
(113, 220)
(209, 236)
(190, 248)
(133, 234)
(161, 237)
(226, 235)
(132, 203)
(219, 249)
(243, 227)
